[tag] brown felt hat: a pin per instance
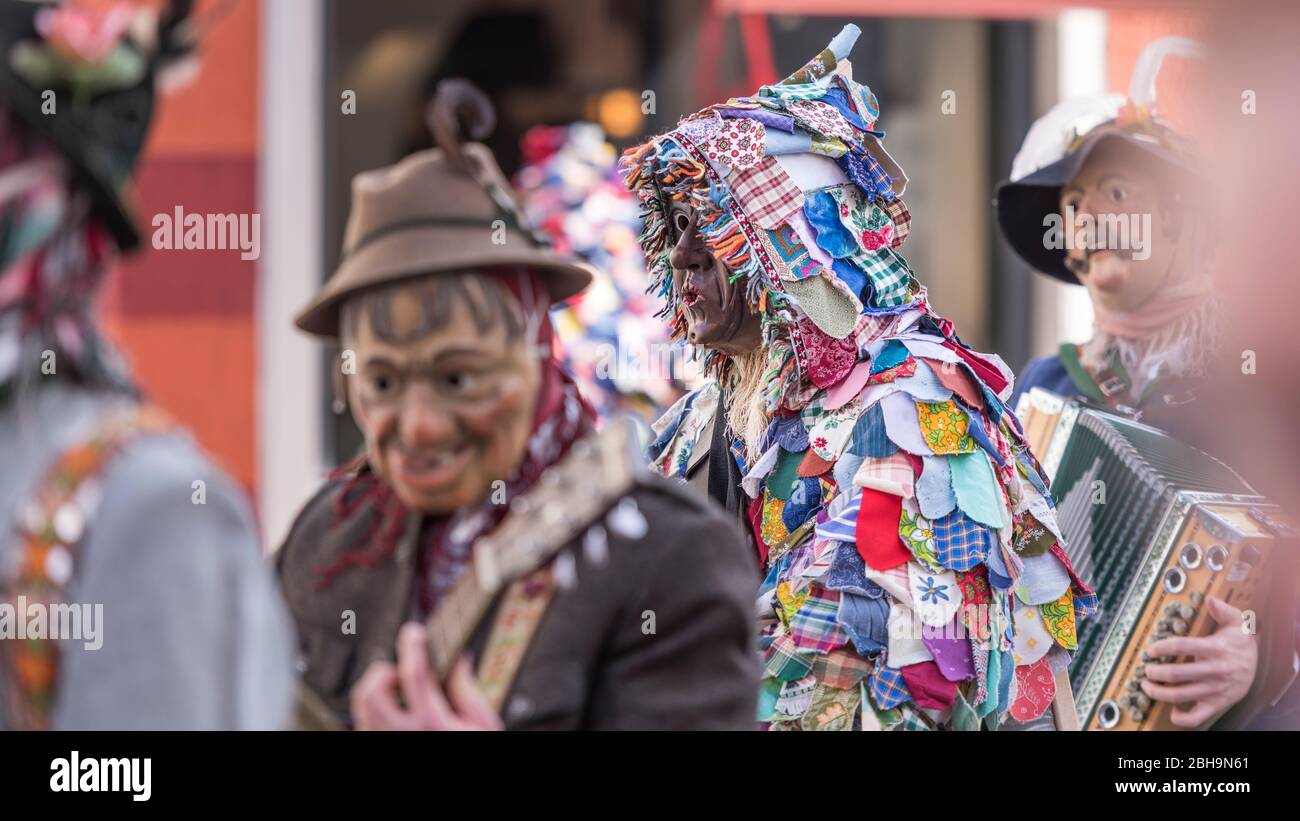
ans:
(435, 212)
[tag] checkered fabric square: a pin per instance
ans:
(766, 193)
(888, 273)
(841, 669)
(815, 628)
(784, 662)
(901, 217)
(959, 542)
(888, 689)
(892, 474)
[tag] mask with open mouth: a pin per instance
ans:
(712, 298)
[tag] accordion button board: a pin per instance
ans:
(1201, 564)
(1154, 526)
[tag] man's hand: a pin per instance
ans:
(1219, 675)
(405, 696)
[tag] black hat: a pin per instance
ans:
(99, 126)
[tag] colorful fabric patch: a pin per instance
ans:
(1058, 619)
(784, 662)
(790, 250)
(945, 427)
(935, 596)
(901, 217)
(1028, 535)
(785, 475)
(814, 627)
(1032, 639)
(865, 221)
(766, 193)
(772, 529)
(918, 536)
(888, 688)
(842, 519)
(1041, 579)
(890, 277)
(747, 111)
(813, 465)
(956, 378)
(891, 354)
(831, 709)
(928, 687)
(738, 144)
(864, 618)
(903, 424)
(828, 359)
(1035, 690)
(828, 146)
(823, 214)
(1085, 599)
(960, 543)
(902, 370)
(934, 493)
(823, 119)
(977, 490)
(877, 532)
(892, 474)
(789, 601)
(795, 698)
(976, 598)
(841, 669)
(951, 651)
(868, 173)
(868, 438)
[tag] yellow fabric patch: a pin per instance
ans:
(772, 528)
(944, 426)
(790, 601)
(1058, 618)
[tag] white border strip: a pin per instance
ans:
(290, 186)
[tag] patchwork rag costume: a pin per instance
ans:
(914, 575)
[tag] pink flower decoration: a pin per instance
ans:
(875, 240)
(81, 34)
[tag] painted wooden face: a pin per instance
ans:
(717, 315)
(445, 387)
(1127, 200)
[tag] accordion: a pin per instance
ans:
(1154, 526)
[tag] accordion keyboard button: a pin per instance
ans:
(1186, 613)
(1179, 627)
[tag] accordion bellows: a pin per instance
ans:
(915, 575)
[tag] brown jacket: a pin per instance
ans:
(658, 637)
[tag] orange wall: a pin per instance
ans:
(185, 319)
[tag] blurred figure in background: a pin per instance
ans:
(1105, 195)
(486, 512)
(1094, 165)
(610, 338)
(1256, 103)
(106, 506)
